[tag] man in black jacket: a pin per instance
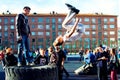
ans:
(23, 32)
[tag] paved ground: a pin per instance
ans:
(73, 65)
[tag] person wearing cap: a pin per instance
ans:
(23, 32)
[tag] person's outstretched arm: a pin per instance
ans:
(73, 28)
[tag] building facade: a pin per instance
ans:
(100, 29)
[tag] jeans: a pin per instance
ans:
(23, 50)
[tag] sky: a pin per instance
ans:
(111, 7)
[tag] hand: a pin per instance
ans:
(103, 57)
(19, 38)
(29, 35)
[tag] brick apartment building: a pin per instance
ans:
(100, 29)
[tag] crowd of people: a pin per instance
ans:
(105, 60)
(54, 54)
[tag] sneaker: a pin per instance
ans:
(30, 64)
(19, 64)
(72, 8)
(69, 6)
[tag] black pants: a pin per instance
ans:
(60, 73)
(102, 73)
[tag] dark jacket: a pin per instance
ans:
(22, 25)
(9, 60)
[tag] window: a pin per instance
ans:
(112, 20)
(99, 20)
(93, 20)
(87, 26)
(0, 27)
(112, 26)
(99, 27)
(12, 27)
(40, 20)
(93, 27)
(59, 20)
(112, 39)
(5, 27)
(47, 20)
(33, 20)
(59, 26)
(40, 33)
(53, 26)
(33, 26)
(105, 33)
(87, 33)
(0, 34)
(6, 34)
(40, 40)
(93, 32)
(105, 20)
(47, 33)
(33, 33)
(53, 20)
(40, 27)
(5, 20)
(100, 34)
(12, 20)
(47, 27)
(105, 26)
(0, 20)
(112, 32)
(59, 33)
(86, 19)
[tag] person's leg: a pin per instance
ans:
(99, 73)
(111, 75)
(72, 13)
(26, 49)
(20, 54)
(67, 74)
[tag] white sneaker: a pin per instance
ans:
(19, 64)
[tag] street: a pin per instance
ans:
(70, 66)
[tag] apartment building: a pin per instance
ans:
(100, 29)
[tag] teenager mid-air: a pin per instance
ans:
(73, 27)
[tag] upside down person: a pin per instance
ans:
(73, 27)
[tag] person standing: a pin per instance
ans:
(23, 33)
(42, 59)
(102, 58)
(113, 64)
(53, 58)
(60, 63)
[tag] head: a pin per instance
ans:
(86, 50)
(50, 49)
(59, 41)
(42, 52)
(26, 10)
(57, 48)
(9, 51)
(112, 51)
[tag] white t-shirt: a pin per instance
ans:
(80, 29)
